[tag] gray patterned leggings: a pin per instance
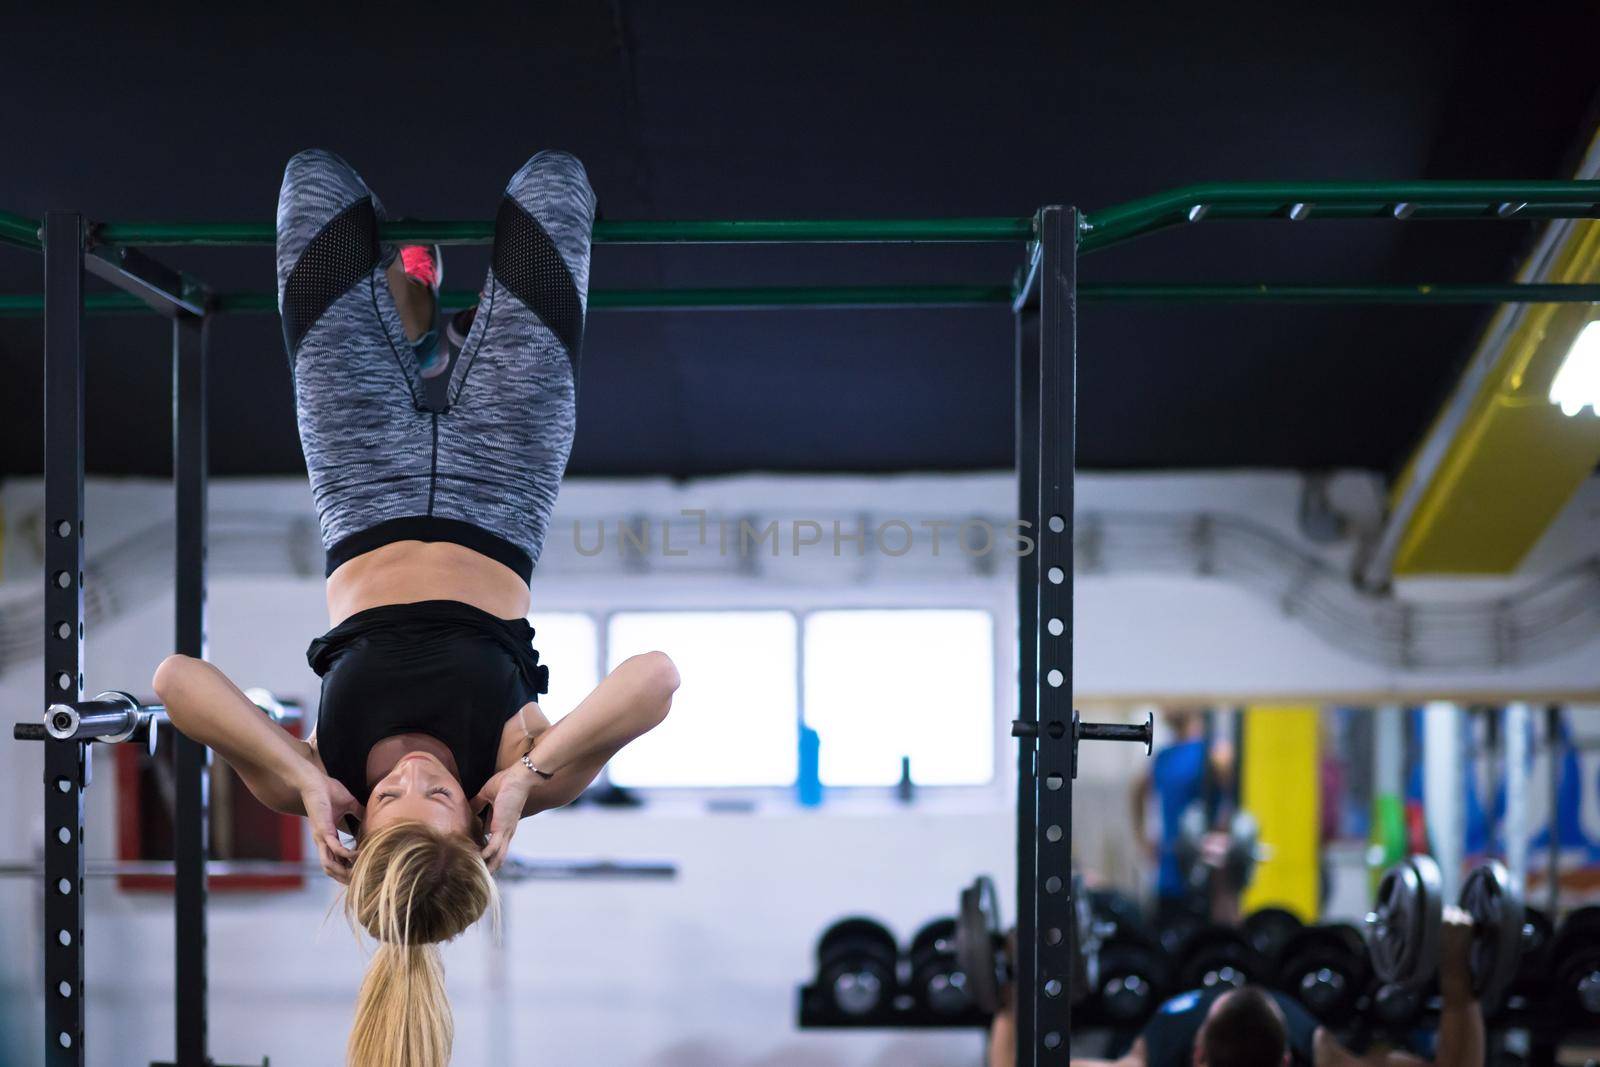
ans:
(482, 466)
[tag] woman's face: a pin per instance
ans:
(419, 789)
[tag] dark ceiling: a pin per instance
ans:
(752, 111)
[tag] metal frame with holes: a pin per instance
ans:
(1045, 303)
(68, 763)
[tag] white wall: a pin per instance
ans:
(700, 971)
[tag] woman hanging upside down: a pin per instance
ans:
(435, 456)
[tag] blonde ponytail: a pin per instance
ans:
(412, 887)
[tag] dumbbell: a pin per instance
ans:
(1219, 956)
(1174, 930)
(1575, 960)
(856, 960)
(1395, 1007)
(1325, 968)
(937, 980)
(1403, 928)
(1532, 982)
(1134, 979)
(1269, 931)
(1244, 850)
(1114, 911)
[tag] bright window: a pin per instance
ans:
(569, 644)
(881, 685)
(734, 718)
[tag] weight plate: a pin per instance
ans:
(977, 943)
(1491, 898)
(1218, 955)
(1326, 969)
(1270, 929)
(856, 959)
(1133, 980)
(936, 938)
(857, 935)
(1396, 1005)
(1575, 959)
(1403, 927)
(1176, 930)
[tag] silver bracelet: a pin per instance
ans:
(528, 763)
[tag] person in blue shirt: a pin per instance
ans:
(1191, 769)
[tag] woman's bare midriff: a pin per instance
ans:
(405, 572)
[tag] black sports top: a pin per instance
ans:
(1170, 1033)
(436, 667)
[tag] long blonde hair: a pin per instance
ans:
(412, 887)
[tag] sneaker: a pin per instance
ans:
(424, 264)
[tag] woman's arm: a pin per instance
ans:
(1461, 1042)
(632, 700)
(206, 707)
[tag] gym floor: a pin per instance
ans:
(1339, 554)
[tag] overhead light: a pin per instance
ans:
(1577, 383)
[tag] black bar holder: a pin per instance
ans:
(191, 759)
(66, 763)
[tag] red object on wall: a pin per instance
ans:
(144, 827)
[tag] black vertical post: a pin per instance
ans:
(1027, 433)
(1058, 364)
(189, 338)
(66, 763)
(1046, 412)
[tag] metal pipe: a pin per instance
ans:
(1442, 788)
(1390, 200)
(20, 231)
(1120, 222)
(754, 298)
(514, 869)
(1268, 293)
(1138, 733)
(1552, 731)
(1515, 826)
(654, 231)
(98, 719)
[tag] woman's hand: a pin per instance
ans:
(505, 795)
(327, 803)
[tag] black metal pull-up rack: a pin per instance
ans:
(1045, 302)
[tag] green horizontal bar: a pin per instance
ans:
(16, 230)
(1101, 229)
(1442, 293)
(713, 231)
(803, 296)
(1261, 200)
(25, 304)
(771, 296)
